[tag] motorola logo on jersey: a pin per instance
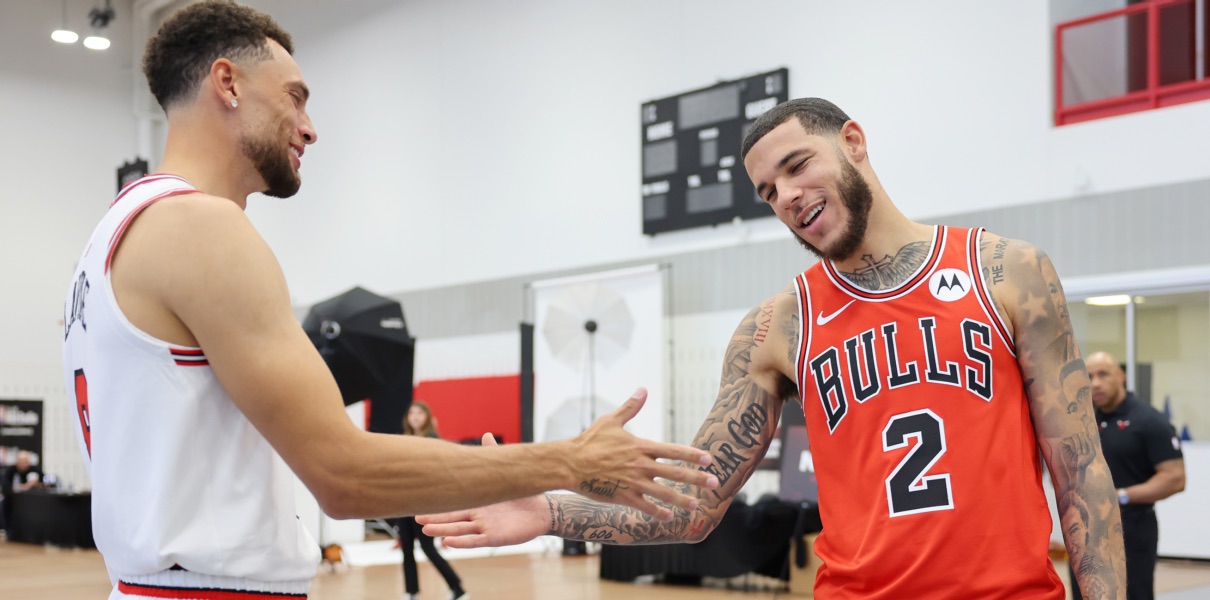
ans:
(948, 285)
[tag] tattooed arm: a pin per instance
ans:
(1027, 291)
(736, 433)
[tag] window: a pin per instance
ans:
(1146, 55)
(1165, 341)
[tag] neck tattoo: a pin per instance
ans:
(888, 272)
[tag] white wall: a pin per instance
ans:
(469, 139)
(1183, 524)
(65, 127)
(1068, 10)
(468, 356)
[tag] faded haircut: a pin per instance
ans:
(816, 115)
(179, 55)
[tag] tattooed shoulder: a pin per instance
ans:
(788, 299)
(997, 255)
(792, 328)
(992, 250)
(763, 320)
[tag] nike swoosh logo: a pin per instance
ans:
(821, 320)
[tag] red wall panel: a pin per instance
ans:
(468, 408)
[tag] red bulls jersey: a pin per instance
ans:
(930, 479)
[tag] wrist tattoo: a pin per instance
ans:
(604, 488)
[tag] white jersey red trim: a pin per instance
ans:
(189, 357)
(144, 181)
(183, 486)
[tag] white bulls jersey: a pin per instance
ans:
(186, 493)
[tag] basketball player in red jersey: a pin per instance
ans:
(187, 366)
(936, 368)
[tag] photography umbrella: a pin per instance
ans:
(363, 339)
(572, 339)
(586, 325)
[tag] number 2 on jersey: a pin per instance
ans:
(908, 490)
(82, 409)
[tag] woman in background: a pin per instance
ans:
(419, 421)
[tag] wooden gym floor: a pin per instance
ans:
(30, 572)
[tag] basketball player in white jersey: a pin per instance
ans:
(196, 388)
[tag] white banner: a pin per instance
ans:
(597, 338)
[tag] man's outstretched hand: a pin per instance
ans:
(503, 524)
(611, 465)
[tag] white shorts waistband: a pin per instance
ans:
(190, 581)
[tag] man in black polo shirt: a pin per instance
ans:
(19, 477)
(1144, 456)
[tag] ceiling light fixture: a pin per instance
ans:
(1117, 300)
(63, 35)
(99, 18)
(96, 42)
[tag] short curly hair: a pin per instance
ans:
(179, 55)
(816, 115)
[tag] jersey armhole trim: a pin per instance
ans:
(116, 239)
(804, 330)
(148, 179)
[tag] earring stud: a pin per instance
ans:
(234, 103)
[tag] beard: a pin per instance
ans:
(273, 165)
(856, 196)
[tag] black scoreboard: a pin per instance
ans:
(692, 174)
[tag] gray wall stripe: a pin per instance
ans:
(1133, 230)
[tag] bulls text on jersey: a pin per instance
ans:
(854, 373)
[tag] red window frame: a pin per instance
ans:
(1154, 95)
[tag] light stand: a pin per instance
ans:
(591, 327)
(575, 547)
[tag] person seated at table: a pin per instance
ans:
(23, 475)
(19, 477)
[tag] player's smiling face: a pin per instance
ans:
(279, 128)
(812, 188)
